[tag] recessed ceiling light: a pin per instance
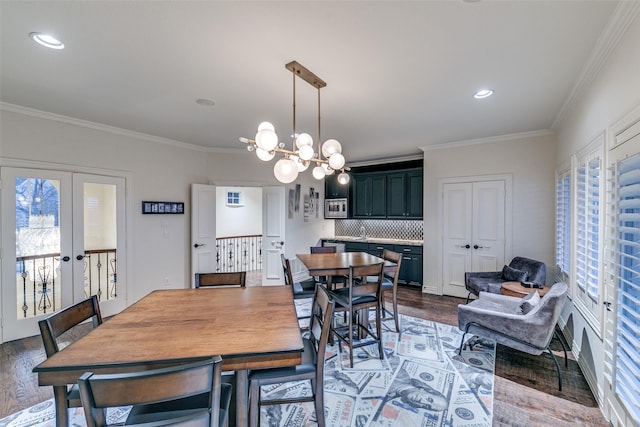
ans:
(483, 93)
(47, 40)
(205, 102)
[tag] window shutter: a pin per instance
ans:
(563, 224)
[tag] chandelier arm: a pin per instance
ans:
(293, 137)
(319, 139)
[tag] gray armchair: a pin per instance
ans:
(526, 324)
(520, 269)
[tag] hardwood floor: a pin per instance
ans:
(525, 392)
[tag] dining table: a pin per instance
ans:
(336, 264)
(251, 328)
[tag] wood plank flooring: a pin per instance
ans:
(525, 393)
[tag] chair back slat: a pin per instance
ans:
(237, 278)
(395, 258)
(59, 323)
(371, 279)
(99, 392)
(322, 310)
(323, 249)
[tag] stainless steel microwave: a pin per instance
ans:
(336, 208)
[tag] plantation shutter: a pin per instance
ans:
(627, 275)
(563, 223)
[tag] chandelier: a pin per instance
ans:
(327, 160)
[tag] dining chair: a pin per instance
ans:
(390, 284)
(362, 293)
(325, 279)
(189, 394)
(210, 280)
(50, 329)
(311, 368)
(300, 290)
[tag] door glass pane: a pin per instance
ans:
(100, 237)
(37, 246)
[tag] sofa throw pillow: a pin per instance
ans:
(511, 274)
(529, 302)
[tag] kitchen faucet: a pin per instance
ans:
(363, 232)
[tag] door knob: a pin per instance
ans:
(80, 257)
(197, 245)
(467, 246)
(65, 258)
(477, 247)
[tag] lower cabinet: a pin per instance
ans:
(411, 266)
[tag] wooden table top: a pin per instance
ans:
(253, 327)
(338, 263)
(515, 289)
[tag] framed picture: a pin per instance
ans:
(162, 208)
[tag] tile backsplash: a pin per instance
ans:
(381, 228)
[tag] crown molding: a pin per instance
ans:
(113, 130)
(622, 17)
(489, 140)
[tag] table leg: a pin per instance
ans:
(242, 397)
(60, 398)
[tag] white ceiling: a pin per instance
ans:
(400, 75)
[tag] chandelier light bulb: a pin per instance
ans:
(303, 140)
(285, 170)
(327, 169)
(330, 147)
(318, 172)
(344, 178)
(302, 165)
(266, 125)
(265, 155)
(306, 152)
(266, 139)
(336, 161)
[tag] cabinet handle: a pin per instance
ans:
(406, 250)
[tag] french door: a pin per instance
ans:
(62, 241)
(473, 223)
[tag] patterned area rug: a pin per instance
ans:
(421, 381)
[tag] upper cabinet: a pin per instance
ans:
(333, 189)
(369, 195)
(404, 194)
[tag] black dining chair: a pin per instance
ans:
(333, 280)
(311, 368)
(304, 289)
(53, 327)
(189, 394)
(390, 284)
(363, 291)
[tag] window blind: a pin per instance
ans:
(627, 267)
(588, 226)
(563, 224)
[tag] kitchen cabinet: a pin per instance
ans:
(333, 189)
(369, 195)
(411, 265)
(404, 194)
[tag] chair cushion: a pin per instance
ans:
(307, 365)
(341, 296)
(304, 287)
(511, 274)
(484, 284)
(528, 302)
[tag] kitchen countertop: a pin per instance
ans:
(380, 240)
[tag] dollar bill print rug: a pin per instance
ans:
(421, 381)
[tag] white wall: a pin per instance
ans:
(612, 94)
(242, 220)
(157, 171)
(530, 160)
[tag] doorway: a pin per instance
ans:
(63, 241)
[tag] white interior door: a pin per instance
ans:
(273, 230)
(203, 229)
(60, 243)
(473, 226)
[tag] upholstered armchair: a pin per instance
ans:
(520, 269)
(526, 324)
